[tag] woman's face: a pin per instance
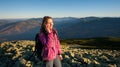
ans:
(49, 24)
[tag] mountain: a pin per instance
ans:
(19, 29)
(90, 27)
(68, 27)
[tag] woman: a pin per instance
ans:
(49, 38)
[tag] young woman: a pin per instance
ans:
(49, 38)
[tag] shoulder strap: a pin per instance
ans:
(36, 41)
(36, 37)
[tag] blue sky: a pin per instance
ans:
(59, 8)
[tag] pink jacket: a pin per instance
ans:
(51, 45)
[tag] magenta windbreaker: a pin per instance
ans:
(51, 45)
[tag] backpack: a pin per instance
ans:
(38, 47)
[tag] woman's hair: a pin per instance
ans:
(42, 29)
(44, 21)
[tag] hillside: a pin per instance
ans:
(89, 27)
(68, 27)
(19, 29)
(16, 54)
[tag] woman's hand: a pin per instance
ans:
(47, 29)
(60, 56)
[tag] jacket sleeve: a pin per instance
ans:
(58, 46)
(46, 41)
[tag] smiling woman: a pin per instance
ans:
(51, 45)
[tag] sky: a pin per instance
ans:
(59, 8)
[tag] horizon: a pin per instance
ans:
(57, 17)
(14, 9)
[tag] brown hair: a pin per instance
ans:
(42, 29)
(44, 21)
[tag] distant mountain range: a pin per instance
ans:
(68, 28)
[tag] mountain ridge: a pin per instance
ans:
(68, 27)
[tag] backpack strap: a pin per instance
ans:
(36, 41)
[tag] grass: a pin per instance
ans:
(105, 42)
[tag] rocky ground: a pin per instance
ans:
(17, 53)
